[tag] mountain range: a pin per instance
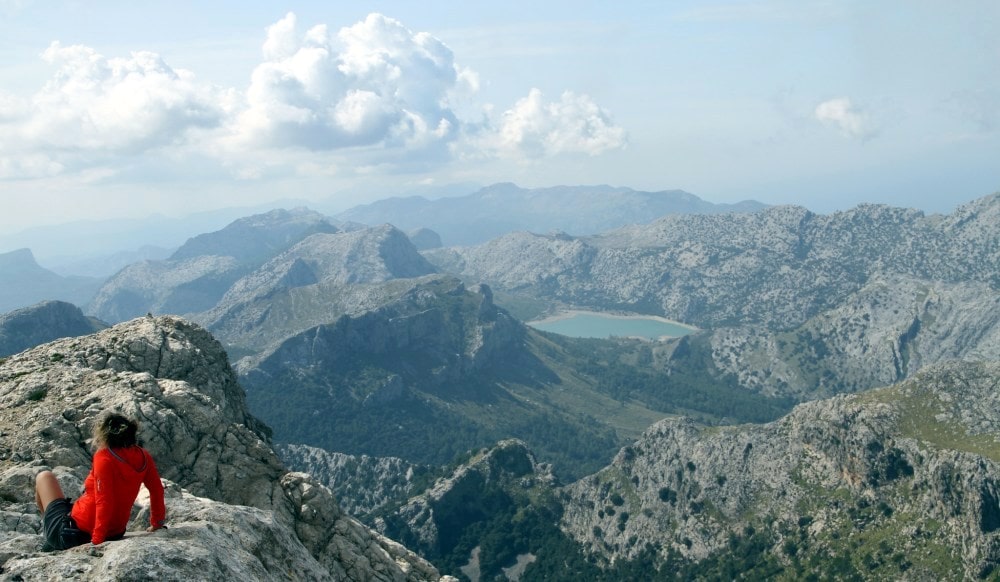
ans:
(776, 267)
(503, 208)
(366, 357)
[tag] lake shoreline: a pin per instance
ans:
(570, 313)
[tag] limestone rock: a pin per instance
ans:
(361, 483)
(451, 501)
(914, 464)
(231, 497)
(883, 333)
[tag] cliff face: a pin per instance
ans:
(314, 282)
(899, 479)
(443, 520)
(886, 331)
(234, 511)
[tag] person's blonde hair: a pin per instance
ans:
(115, 430)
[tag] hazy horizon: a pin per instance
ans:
(127, 111)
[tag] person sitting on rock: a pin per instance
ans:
(120, 465)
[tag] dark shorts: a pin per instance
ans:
(60, 531)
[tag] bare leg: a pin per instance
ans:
(47, 489)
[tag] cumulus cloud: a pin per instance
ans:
(375, 83)
(99, 106)
(847, 118)
(573, 124)
(373, 96)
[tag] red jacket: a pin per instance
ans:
(110, 491)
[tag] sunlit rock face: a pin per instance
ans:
(234, 511)
(914, 465)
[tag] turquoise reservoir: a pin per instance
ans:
(602, 325)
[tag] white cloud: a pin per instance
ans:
(375, 83)
(94, 107)
(28, 166)
(574, 124)
(392, 95)
(847, 118)
(373, 97)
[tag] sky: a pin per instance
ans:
(114, 109)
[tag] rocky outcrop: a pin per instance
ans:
(433, 520)
(314, 282)
(886, 331)
(234, 511)
(503, 208)
(46, 321)
(777, 267)
(899, 479)
(362, 484)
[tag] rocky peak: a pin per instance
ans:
(256, 238)
(20, 259)
(197, 276)
(434, 332)
(234, 511)
(313, 283)
(451, 503)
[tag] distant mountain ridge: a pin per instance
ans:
(777, 267)
(202, 270)
(25, 282)
(314, 282)
(41, 323)
(502, 208)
